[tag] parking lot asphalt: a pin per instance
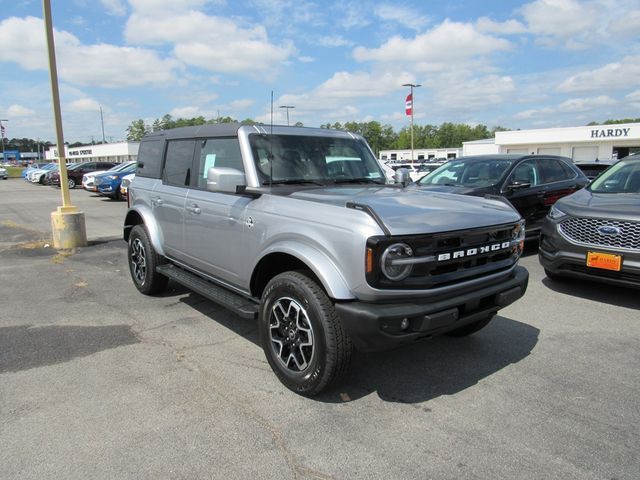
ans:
(99, 381)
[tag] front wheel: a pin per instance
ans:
(143, 261)
(301, 334)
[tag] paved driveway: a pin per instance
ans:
(98, 381)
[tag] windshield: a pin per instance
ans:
(475, 173)
(623, 177)
(313, 160)
(121, 166)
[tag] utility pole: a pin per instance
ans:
(288, 107)
(102, 121)
(412, 85)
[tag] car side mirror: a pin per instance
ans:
(402, 176)
(225, 180)
(518, 186)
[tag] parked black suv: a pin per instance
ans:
(531, 183)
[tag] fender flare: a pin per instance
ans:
(322, 266)
(148, 220)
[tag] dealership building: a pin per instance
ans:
(106, 152)
(582, 144)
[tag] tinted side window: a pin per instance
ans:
(526, 172)
(178, 163)
(218, 152)
(552, 170)
(150, 158)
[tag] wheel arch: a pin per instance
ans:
(300, 257)
(141, 216)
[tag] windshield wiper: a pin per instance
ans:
(293, 181)
(358, 180)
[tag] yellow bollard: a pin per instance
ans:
(68, 229)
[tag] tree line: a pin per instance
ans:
(379, 136)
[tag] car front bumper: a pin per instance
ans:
(377, 326)
(563, 258)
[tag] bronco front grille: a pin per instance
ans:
(599, 232)
(451, 269)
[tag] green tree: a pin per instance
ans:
(136, 130)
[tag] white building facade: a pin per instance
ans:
(420, 154)
(596, 142)
(107, 152)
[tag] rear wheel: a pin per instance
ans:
(471, 327)
(302, 335)
(143, 261)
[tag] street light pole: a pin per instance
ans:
(412, 85)
(67, 223)
(2, 131)
(102, 122)
(288, 107)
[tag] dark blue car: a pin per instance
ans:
(108, 183)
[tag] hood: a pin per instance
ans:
(584, 203)
(411, 211)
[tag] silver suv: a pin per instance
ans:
(299, 228)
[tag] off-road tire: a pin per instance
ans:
(143, 260)
(315, 314)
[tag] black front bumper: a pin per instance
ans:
(377, 326)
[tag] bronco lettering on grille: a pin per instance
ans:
(470, 252)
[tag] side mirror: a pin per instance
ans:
(225, 180)
(518, 186)
(402, 176)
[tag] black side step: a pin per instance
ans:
(238, 304)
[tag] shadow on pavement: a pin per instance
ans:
(596, 291)
(23, 347)
(436, 367)
(414, 373)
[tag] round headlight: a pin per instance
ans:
(391, 267)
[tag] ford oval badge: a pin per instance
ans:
(609, 230)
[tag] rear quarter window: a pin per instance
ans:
(150, 158)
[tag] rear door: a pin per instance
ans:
(168, 198)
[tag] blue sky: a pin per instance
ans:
(528, 64)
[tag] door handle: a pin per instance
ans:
(156, 202)
(194, 208)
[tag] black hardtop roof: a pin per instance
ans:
(231, 130)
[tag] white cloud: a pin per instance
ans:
(83, 105)
(586, 104)
(19, 111)
(100, 64)
(334, 41)
(510, 27)
(189, 112)
(613, 76)
(579, 24)
(454, 92)
(448, 43)
(212, 43)
(115, 7)
(405, 16)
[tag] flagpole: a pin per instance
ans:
(412, 86)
